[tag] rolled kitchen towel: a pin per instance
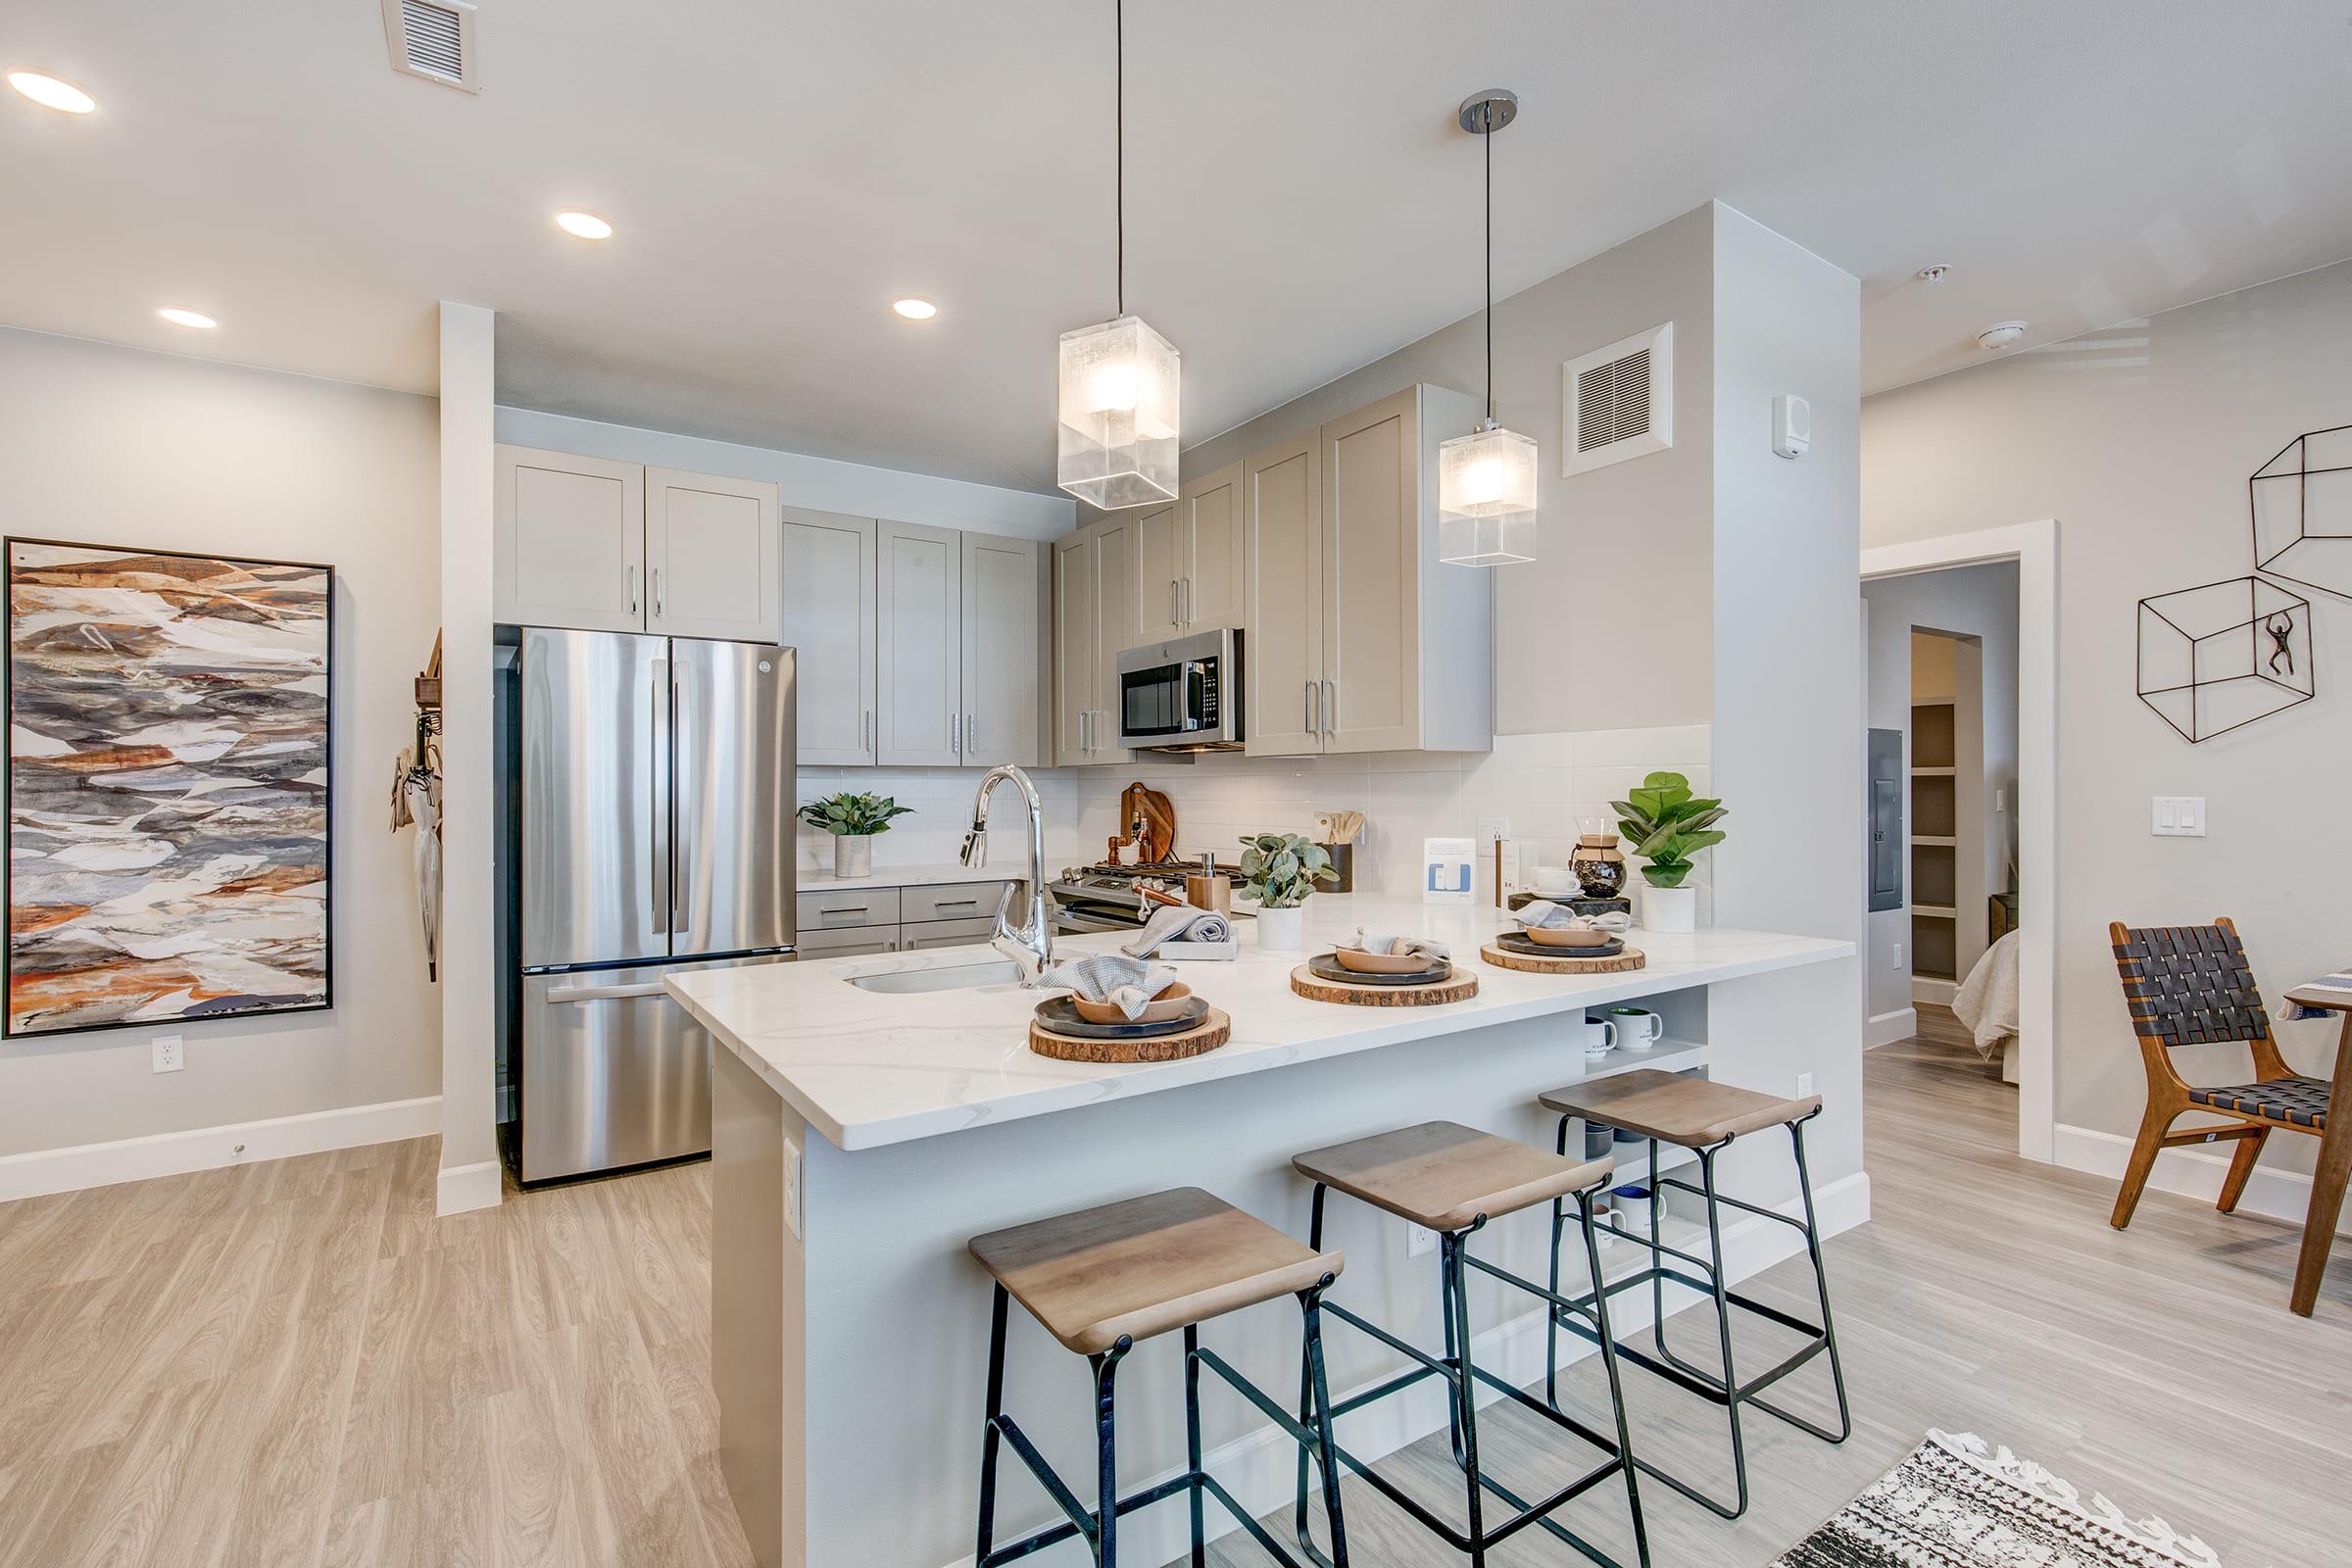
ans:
(1550, 915)
(1429, 947)
(1178, 922)
(1108, 977)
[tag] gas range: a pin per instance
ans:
(1112, 898)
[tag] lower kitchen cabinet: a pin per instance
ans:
(845, 922)
(848, 942)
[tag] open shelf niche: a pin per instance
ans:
(1935, 841)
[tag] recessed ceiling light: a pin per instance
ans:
(1933, 272)
(584, 225)
(50, 92)
(2000, 335)
(914, 308)
(179, 317)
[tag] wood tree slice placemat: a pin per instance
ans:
(1461, 986)
(1527, 963)
(1206, 1035)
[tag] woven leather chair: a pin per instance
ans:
(2191, 985)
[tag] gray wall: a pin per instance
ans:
(1977, 602)
(2140, 440)
(1787, 682)
(121, 446)
(1622, 550)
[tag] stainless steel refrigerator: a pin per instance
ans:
(655, 834)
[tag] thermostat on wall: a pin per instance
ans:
(1791, 425)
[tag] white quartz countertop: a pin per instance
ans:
(868, 1069)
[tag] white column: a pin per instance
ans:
(469, 1175)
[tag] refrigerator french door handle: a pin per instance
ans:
(680, 923)
(658, 880)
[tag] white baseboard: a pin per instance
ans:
(464, 1188)
(131, 1159)
(1885, 1028)
(1261, 1468)
(2194, 1172)
(1940, 992)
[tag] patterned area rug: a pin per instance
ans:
(1954, 1502)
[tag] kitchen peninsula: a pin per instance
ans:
(860, 1136)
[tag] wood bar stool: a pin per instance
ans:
(1452, 1180)
(1698, 1114)
(1101, 1279)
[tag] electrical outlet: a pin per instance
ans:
(2180, 817)
(1419, 1239)
(167, 1054)
(792, 1183)
(1491, 828)
(1804, 1085)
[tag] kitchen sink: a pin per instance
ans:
(951, 977)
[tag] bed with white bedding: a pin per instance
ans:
(1987, 1003)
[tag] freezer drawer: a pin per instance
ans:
(614, 1072)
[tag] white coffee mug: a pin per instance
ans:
(1637, 1028)
(1598, 1036)
(1553, 880)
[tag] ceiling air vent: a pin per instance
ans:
(432, 39)
(1618, 403)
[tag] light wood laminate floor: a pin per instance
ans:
(294, 1363)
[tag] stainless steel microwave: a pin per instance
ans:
(1183, 696)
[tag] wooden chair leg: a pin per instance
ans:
(2152, 1128)
(2327, 1181)
(2241, 1169)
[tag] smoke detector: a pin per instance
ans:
(432, 39)
(2000, 335)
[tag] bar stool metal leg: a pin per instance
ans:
(990, 1438)
(1191, 1437)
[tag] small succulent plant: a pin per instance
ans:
(1281, 869)
(848, 815)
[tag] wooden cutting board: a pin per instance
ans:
(1206, 1035)
(1159, 813)
(1461, 986)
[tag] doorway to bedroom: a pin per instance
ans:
(1941, 707)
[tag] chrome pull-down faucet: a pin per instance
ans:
(1030, 944)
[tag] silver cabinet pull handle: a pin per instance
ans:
(605, 993)
(1331, 707)
(658, 612)
(1306, 710)
(865, 733)
(954, 904)
(1183, 601)
(632, 576)
(972, 732)
(954, 735)
(1175, 617)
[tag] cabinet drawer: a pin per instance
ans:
(846, 943)
(945, 932)
(848, 906)
(949, 901)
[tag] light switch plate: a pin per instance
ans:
(2179, 816)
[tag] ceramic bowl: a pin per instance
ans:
(1553, 936)
(1364, 963)
(1159, 1009)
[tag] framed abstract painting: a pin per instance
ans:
(169, 719)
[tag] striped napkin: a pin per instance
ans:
(2289, 1011)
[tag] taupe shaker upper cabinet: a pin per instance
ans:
(569, 542)
(1360, 640)
(711, 556)
(1189, 560)
(828, 579)
(919, 624)
(1094, 615)
(1003, 624)
(603, 546)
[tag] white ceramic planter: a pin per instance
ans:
(1282, 930)
(1669, 909)
(852, 855)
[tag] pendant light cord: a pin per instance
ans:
(1119, 112)
(1488, 139)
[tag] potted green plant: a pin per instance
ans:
(1280, 872)
(853, 820)
(1665, 824)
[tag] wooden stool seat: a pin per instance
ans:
(1147, 1265)
(1444, 1176)
(1692, 1112)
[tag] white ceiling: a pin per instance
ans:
(1299, 199)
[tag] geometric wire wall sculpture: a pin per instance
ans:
(2302, 506)
(2224, 655)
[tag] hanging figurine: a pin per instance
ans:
(2281, 627)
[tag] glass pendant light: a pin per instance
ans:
(1486, 480)
(1119, 381)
